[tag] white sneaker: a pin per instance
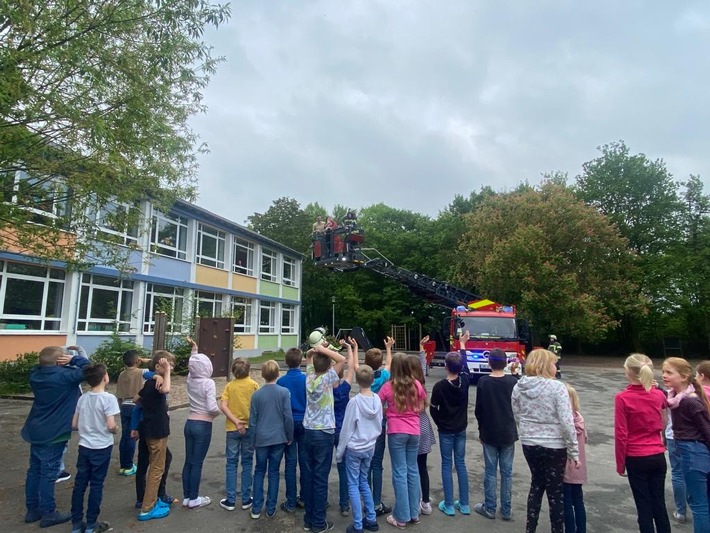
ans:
(200, 501)
(425, 507)
(680, 518)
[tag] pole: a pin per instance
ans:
(332, 330)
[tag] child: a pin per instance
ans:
(155, 428)
(702, 372)
(341, 397)
(497, 433)
(361, 428)
(319, 425)
(403, 398)
(95, 420)
(235, 404)
(575, 477)
(130, 382)
(55, 384)
(198, 426)
(373, 358)
(295, 381)
(272, 424)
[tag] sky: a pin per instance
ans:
(410, 102)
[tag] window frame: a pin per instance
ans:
(167, 250)
(54, 187)
(247, 324)
(86, 323)
(291, 310)
(270, 327)
(216, 299)
(271, 275)
(291, 281)
(220, 240)
(45, 318)
(250, 248)
(128, 235)
(175, 294)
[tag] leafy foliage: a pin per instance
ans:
(110, 353)
(15, 375)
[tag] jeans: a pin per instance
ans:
(91, 469)
(198, 435)
(41, 475)
(575, 513)
(677, 478)
(374, 477)
(405, 475)
(267, 458)
(453, 444)
(143, 458)
(295, 454)
(238, 444)
(547, 469)
(314, 475)
(647, 478)
(343, 490)
(493, 456)
(127, 446)
(357, 467)
(695, 460)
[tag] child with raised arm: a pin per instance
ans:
(341, 397)
(95, 420)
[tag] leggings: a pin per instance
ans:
(547, 468)
(423, 476)
(647, 479)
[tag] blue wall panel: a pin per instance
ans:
(166, 267)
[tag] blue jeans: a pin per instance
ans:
(405, 475)
(295, 454)
(91, 469)
(492, 457)
(343, 489)
(41, 475)
(695, 460)
(375, 475)
(454, 445)
(238, 444)
(575, 513)
(267, 458)
(127, 446)
(198, 435)
(677, 478)
(314, 475)
(357, 466)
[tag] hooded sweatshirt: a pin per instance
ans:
(361, 426)
(543, 413)
(201, 389)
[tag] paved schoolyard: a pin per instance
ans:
(608, 499)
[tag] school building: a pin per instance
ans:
(187, 262)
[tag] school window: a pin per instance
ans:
(242, 309)
(169, 235)
(243, 257)
(30, 297)
(267, 317)
(288, 318)
(268, 265)
(46, 198)
(117, 222)
(105, 304)
(168, 300)
(210, 246)
(208, 304)
(289, 272)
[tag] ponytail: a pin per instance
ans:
(646, 377)
(641, 368)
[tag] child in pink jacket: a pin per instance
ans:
(574, 478)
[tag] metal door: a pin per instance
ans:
(215, 337)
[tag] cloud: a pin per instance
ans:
(411, 102)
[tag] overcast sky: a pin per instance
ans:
(409, 102)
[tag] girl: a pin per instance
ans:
(198, 426)
(574, 478)
(691, 431)
(639, 419)
(403, 397)
(702, 372)
(543, 413)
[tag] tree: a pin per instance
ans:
(95, 98)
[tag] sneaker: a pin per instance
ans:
(226, 504)
(200, 501)
(345, 511)
(33, 516)
(247, 505)
(78, 528)
(64, 476)
(285, 508)
(370, 526)
(155, 513)
(382, 509)
(306, 527)
(52, 519)
(449, 511)
(300, 504)
(100, 527)
(506, 517)
(327, 527)
(255, 515)
(425, 507)
(270, 515)
(480, 508)
(129, 471)
(464, 509)
(680, 518)
(185, 502)
(351, 529)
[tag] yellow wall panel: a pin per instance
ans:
(246, 342)
(243, 283)
(213, 277)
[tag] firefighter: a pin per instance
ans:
(556, 348)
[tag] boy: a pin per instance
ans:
(498, 433)
(373, 358)
(95, 419)
(449, 410)
(295, 381)
(55, 384)
(155, 428)
(319, 425)
(341, 398)
(361, 428)
(272, 425)
(235, 404)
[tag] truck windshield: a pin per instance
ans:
(490, 327)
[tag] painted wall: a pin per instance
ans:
(211, 276)
(290, 293)
(13, 345)
(268, 342)
(289, 341)
(269, 289)
(243, 283)
(167, 267)
(246, 342)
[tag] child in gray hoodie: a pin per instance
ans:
(361, 427)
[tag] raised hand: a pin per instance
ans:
(389, 342)
(464, 337)
(424, 341)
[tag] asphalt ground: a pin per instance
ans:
(609, 504)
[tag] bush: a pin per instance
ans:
(110, 352)
(15, 375)
(180, 348)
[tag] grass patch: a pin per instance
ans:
(277, 356)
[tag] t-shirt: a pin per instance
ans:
(494, 411)
(407, 421)
(129, 383)
(382, 376)
(320, 412)
(341, 397)
(237, 394)
(93, 408)
(156, 421)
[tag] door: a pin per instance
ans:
(215, 338)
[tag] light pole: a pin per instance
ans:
(332, 330)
